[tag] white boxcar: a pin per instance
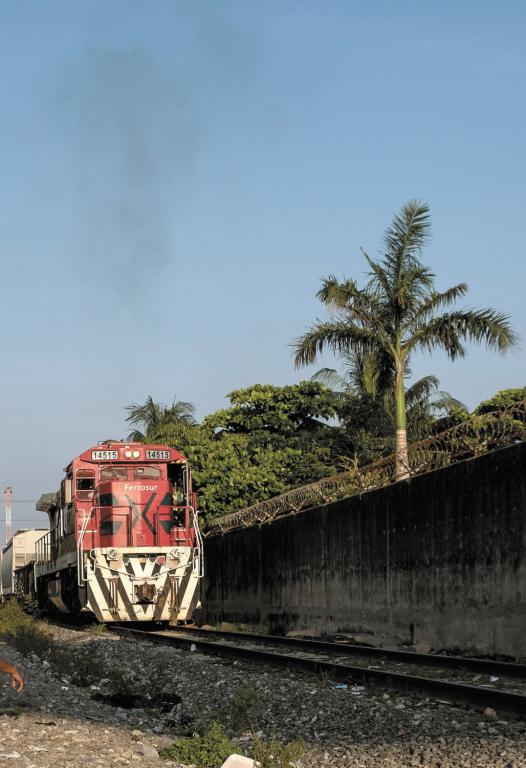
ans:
(18, 551)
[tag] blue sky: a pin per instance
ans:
(177, 176)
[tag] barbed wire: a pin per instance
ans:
(470, 438)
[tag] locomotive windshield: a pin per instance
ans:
(147, 472)
(129, 473)
(114, 473)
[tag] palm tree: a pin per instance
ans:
(398, 313)
(152, 417)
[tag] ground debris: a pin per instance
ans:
(172, 692)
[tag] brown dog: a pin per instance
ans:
(17, 681)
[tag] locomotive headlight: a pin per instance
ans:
(136, 454)
(128, 454)
(113, 554)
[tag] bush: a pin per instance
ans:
(209, 751)
(28, 640)
(12, 617)
(276, 754)
(21, 631)
(97, 629)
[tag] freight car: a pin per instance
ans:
(15, 556)
(124, 542)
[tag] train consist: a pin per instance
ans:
(123, 542)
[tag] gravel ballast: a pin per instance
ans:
(55, 722)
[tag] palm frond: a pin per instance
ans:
(339, 337)
(378, 275)
(421, 389)
(135, 437)
(411, 287)
(337, 295)
(330, 378)
(147, 412)
(180, 411)
(438, 299)
(443, 401)
(448, 331)
(407, 235)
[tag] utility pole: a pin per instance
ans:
(8, 495)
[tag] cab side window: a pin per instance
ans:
(85, 484)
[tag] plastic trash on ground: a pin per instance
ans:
(238, 761)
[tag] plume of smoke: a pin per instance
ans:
(132, 122)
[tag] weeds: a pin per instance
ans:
(244, 710)
(28, 640)
(277, 754)
(212, 749)
(208, 751)
(325, 679)
(97, 629)
(11, 618)
(20, 630)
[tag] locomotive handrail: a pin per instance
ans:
(200, 547)
(43, 549)
(81, 578)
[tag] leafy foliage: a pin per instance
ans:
(502, 400)
(271, 439)
(21, 631)
(208, 751)
(276, 754)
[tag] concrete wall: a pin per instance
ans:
(440, 559)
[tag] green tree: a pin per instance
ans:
(400, 312)
(270, 439)
(151, 417)
(504, 399)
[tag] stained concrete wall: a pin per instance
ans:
(440, 559)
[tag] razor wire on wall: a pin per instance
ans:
(471, 438)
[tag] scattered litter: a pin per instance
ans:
(193, 647)
(238, 761)
(341, 686)
(490, 712)
(493, 679)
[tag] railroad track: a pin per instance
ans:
(479, 683)
(484, 666)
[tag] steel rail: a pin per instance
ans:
(484, 666)
(512, 703)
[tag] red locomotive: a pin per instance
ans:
(124, 540)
